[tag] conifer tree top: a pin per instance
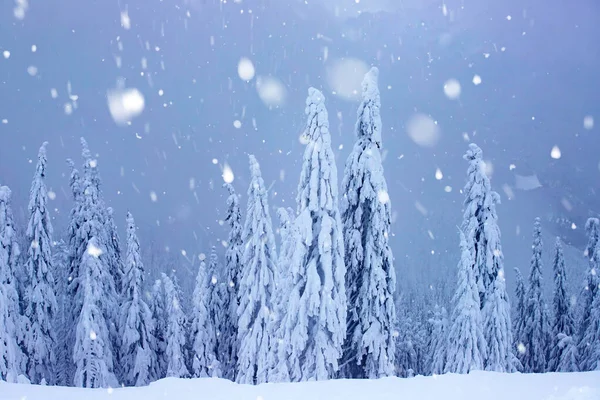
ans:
(318, 119)
(368, 124)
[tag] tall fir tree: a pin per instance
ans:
(233, 268)
(315, 326)
(563, 348)
(590, 288)
(520, 317)
(466, 341)
(203, 331)
(60, 273)
(216, 306)
(536, 332)
(40, 294)
(92, 350)
(12, 324)
(117, 265)
(159, 316)
(480, 220)
(88, 221)
(407, 357)
(138, 358)
(256, 284)
(175, 330)
(369, 349)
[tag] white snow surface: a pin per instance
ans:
(475, 386)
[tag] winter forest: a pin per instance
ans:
(82, 312)
(381, 212)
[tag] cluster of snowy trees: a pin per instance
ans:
(78, 312)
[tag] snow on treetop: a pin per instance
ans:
(254, 166)
(474, 153)
(369, 119)
(4, 193)
(318, 119)
(42, 151)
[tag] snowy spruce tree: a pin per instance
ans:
(466, 342)
(480, 222)
(88, 221)
(590, 288)
(60, 273)
(138, 358)
(40, 294)
(256, 284)
(233, 267)
(438, 341)
(563, 347)
(12, 323)
(175, 330)
(536, 333)
(520, 317)
(92, 350)
(159, 316)
(117, 266)
(203, 331)
(315, 324)
(406, 358)
(369, 349)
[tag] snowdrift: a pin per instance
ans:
(475, 386)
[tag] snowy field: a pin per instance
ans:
(475, 386)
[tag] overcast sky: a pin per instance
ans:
(537, 64)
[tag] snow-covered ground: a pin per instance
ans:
(475, 386)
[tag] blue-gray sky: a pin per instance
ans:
(538, 62)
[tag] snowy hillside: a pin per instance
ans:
(476, 386)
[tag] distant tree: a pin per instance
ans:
(138, 358)
(12, 323)
(537, 327)
(466, 342)
(315, 325)
(233, 268)
(175, 333)
(256, 284)
(563, 348)
(159, 316)
(520, 317)
(590, 342)
(40, 295)
(203, 331)
(438, 341)
(366, 217)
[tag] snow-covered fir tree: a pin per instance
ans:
(315, 324)
(88, 221)
(175, 330)
(536, 333)
(12, 323)
(256, 284)
(277, 359)
(138, 358)
(40, 293)
(438, 340)
(520, 317)
(159, 316)
(590, 341)
(203, 331)
(233, 267)
(590, 288)
(466, 342)
(480, 221)
(369, 349)
(92, 350)
(60, 273)
(563, 348)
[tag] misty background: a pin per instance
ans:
(537, 62)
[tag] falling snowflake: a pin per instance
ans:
(438, 174)
(555, 153)
(92, 335)
(94, 251)
(246, 69)
(227, 174)
(452, 89)
(476, 80)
